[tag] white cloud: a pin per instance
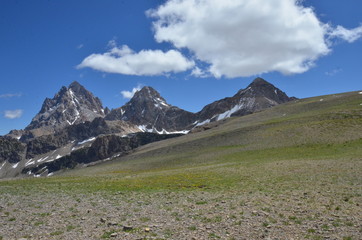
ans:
(198, 72)
(129, 94)
(348, 35)
(12, 114)
(243, 38)
(123, 60)
(80, 46)
(10, 95)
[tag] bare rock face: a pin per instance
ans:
(11, 150)
(69, 106)
(102, 148)
(148, 110)
(77, 132)
(259, 95)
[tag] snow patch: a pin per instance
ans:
(87, 140)
(52, 159)
(160, 101)
(276, 93)
(43, 159)
(163, 131)
(228, 113)
(360, 93)
(321, 100)
(30, 162)
(144, 128)
(202, 123)
(50, 174)
(15, 165)
(2, 165)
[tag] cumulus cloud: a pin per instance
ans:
(124, 60)
(10, 95)
(349, 35)
(243, 38)
(233, 38)
(12, 114)
(129, 94)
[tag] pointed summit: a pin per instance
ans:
(259, 81)
(149, 95)
(69, 106)
(148, 110)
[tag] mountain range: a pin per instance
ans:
(73, 128)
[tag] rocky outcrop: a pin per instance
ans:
(78, 132)
(11, 150)
(102, 148)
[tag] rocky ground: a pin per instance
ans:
(194, 214)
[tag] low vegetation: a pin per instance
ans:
(294, 170)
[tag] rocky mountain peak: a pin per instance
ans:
(149, 95)
(148, 110)
(258, 95)
(71, 105)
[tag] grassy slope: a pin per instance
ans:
(309, 143)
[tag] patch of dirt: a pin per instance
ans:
(180, 215)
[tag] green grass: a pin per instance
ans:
(56, 233)
(108, 234)
(295, 145)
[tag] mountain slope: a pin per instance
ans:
(320, 127)
(69, 106)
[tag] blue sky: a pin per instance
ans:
(192, 54)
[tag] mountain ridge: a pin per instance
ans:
(74, 118)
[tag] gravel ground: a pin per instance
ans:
(190, 214)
